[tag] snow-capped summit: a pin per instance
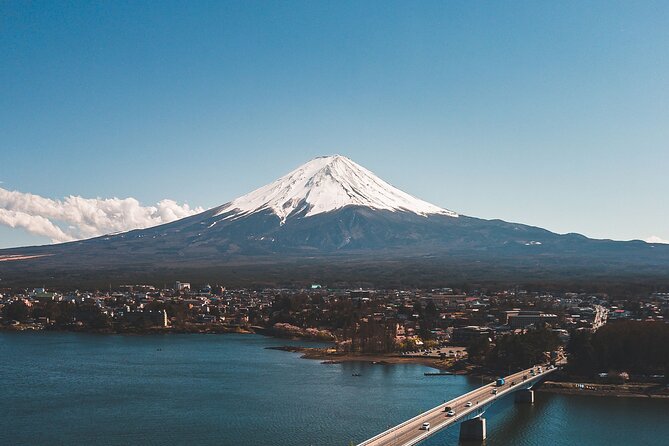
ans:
(326, 184)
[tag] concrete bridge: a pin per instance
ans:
(467, 409)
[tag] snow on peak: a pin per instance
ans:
(325, 184)
(656, 239)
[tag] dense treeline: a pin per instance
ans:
(626, 346)
(513, 352)
(61, 313)
(360, 272)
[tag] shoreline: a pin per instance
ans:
(330, 356)
(630, 390)
(191, 329)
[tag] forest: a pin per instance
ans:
(635, 347)
(511, 352)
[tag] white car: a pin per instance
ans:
(425, 426)
(469, 404)
(450, 413)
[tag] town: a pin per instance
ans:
(408, 319)
(425, 322)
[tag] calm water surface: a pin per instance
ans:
(65, 389)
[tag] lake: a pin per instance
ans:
(67, 388)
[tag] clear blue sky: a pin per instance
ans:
(554, 114)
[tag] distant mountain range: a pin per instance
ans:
(331, 220)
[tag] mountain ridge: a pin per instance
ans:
(321, 219)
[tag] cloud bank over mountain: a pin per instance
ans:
(75, 217)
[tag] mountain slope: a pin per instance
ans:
(331, 219)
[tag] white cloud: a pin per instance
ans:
(656, 239)
(34, 224)
(75, 217)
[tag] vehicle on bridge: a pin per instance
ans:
(425, 426)
(500, 382)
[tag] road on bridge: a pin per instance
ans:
(410, 432)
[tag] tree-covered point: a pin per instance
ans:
(61, 313)
(625, 346)
(16, 311)
(513, 352)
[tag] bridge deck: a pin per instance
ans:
(410, 432)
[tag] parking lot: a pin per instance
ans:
(448, 352)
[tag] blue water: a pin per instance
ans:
(64, 389)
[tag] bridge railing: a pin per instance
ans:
(419, 416)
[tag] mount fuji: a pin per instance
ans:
(333, 220)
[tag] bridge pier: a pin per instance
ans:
(525, 396)
(474, 429)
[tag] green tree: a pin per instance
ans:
(582, 360)
(629, 346)
(522, 351)
(478, 349)
(16, 311)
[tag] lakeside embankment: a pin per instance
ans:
(629, 390)
(278, 330)
(185, 329)
(331, 356)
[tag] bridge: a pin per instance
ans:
(468, 409)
